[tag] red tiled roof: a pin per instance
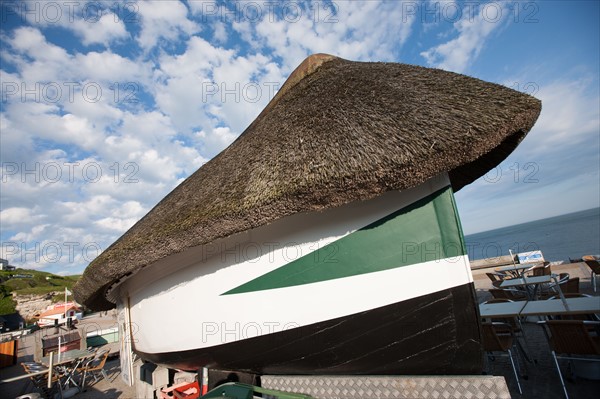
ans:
(56, 310)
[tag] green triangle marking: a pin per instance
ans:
(426, 230)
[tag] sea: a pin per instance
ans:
(560, 238)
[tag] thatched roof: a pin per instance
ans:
(337, 131)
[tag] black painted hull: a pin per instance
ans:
(435, 334)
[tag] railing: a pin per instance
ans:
(22, 377)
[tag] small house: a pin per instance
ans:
(58, 314)
(5, 266)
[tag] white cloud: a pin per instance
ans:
(104, 30)
(49, 66)
(94, 22)
(15, 216)
(220, 32)
(26, 39)
(473, 28)
(38, 60)
(115, 224)
(103, 114)
(44, 122)
(570, 115)
(353, 30)
(110, 67)
(217, 140)
(163, 20)
(67, 233)
(122, 217)
(207, 87)
(16, 144)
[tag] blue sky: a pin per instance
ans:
(107, 106)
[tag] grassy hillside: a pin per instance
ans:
(38, 283)
(7, 305)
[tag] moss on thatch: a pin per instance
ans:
(337, 131)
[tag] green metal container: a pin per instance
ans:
(236, 390)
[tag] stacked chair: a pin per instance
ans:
(40, 381)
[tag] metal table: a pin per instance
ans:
(583, 305)
(66, 357)
(549, 307)
(516, 282)
(69, 361)
(517, 269)
(501, 309)
(535, 281)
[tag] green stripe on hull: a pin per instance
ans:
(426, 230)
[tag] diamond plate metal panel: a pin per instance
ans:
(386, 387)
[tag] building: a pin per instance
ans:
(58, 314)
(11, 322)
(5, 266)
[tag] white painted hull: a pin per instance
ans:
(181, 305)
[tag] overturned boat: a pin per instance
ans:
(325, 239)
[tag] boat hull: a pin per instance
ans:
(430, 335)
(380, 286)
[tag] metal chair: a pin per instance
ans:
(542, 270)
(517, 328)
(94, 366)
(496, 278)
(512, 321)
(551, 289)
(512, 294)
(499, 337)
(594, 266)
(572, 337)
(571, 286)
(40, 381)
